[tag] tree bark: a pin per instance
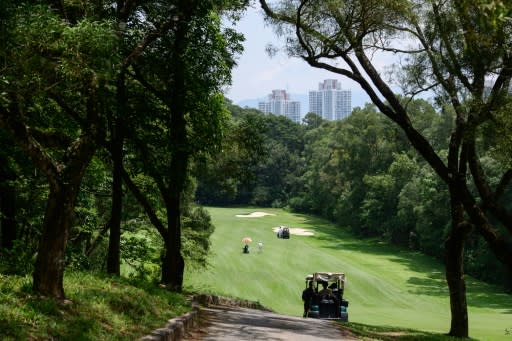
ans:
(49, 268)
(454, 251)
(117, 136)
(114, 245)
(173, 265)
(454, 267)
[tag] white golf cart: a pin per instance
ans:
(328, 304)
(283, 232)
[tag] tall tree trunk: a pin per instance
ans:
(454, 266)
(64, 183)
(49, 268)
(117, 136)
(173, 265)
(454, 250)
(113, 260)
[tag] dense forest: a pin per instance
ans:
(103, 107)
(360, 173)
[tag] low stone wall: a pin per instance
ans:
(207, 300)
(178, 327)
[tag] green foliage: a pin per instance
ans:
(23, 189)
(431, 211)
(460, 50)
(360, 172)
(197, 229)
(19, 260)
(47, 50)
(226, 177)
(97, 43)
(497, 136)
(141, 251)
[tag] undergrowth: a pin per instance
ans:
(98, 307)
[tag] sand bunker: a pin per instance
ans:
(253, 215)
(297, 231)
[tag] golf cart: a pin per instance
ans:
(283, 232)
(328, 304)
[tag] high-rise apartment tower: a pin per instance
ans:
(329, 101)
(279, 103)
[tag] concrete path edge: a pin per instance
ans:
(177, 328)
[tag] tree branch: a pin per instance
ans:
(141, 198)
(12, 121)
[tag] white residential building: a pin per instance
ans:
(329, 101)
(279, 103)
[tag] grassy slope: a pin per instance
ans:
(386, 286)
(100, 308)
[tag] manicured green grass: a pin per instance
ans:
(99, 308)
(371, 333)
(386, 286)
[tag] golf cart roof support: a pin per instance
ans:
(326, 277)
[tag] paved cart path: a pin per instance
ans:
(239, 324)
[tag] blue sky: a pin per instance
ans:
(257, 74)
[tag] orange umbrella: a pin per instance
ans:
(246, 240)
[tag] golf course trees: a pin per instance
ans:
(55, 72)
(176, 82)
(72, 72)
(227, 177)
(459, 50)
(260, 162)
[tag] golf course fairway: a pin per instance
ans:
(386, 285)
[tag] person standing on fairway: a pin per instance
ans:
(307, 296)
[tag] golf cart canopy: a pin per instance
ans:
(326, 277)
(319, 277)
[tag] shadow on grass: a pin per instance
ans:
(12, 330)
(432, 283)
(393, 333)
